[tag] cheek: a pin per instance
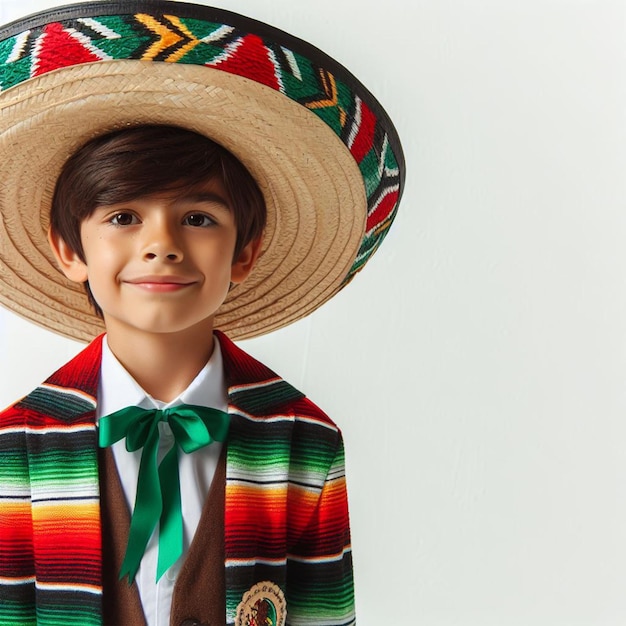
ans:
(214, 258)
(103, 264)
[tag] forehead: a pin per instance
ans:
(211, 191)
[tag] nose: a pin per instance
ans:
(161, 243)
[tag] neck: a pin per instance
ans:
(163, 364)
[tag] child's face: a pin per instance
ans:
(160, 263)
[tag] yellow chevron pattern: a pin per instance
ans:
(329, 84)
(168, 38)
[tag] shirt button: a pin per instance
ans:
(172, 573)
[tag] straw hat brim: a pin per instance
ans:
(313, 186)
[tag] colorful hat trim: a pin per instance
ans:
(186, 34)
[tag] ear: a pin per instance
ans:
(68, 260)
(243, 264)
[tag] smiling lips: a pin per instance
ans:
(160, 284)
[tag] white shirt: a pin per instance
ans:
(118, 390)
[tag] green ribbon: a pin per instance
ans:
(158, 485)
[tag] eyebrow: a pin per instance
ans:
(193, 197)
(202, 197)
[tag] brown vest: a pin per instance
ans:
(199, 593)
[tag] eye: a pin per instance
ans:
(198, 219)
(124, 219)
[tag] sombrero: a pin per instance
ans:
(322, 149)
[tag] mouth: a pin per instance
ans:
(160, 284)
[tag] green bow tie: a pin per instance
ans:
(158, 486)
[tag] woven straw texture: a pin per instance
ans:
(323, 159)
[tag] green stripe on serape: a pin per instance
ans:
(56, 608)
(233, 598)
(301, 450)
(307, 601)
(54, 467)
(70, 470)
(315, 453)
(321, 596)
(16, 612)
(253, 458)
(13, 466)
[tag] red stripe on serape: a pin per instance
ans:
(302, 503)
(16, 545)
(266, 511)
(12, 418)
(328, 529)
(240, 366)
(64, 540)
(255, 518)
(305, 409)
(364, 139)
(83, 371)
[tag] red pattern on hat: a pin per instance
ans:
(58, 48)
(250, 58)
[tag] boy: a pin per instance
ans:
(235, 480)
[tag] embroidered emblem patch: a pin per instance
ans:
(263, 605)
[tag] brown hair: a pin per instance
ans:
(138, 161)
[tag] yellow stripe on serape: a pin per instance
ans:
(95, 589)
(58, 518)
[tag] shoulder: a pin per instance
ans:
(12, 416)
(275, 424)
(67, 394)
(254, 389)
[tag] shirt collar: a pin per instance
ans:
(117, 389)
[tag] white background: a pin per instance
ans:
(477, 366)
